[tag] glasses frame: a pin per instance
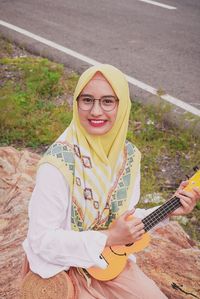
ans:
(100, 99)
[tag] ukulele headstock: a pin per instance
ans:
(194, 180)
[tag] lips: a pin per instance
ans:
(97, 122)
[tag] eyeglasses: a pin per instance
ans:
(107, 103)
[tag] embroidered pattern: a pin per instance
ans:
(76, 217)
(116, 197)
(64, 153)
(88, 194)
(87, 162)
(96, 204)
(119, 196)
(78, 181)
(77, 150)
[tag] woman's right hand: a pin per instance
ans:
(124, 231)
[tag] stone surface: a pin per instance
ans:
(17, 177)
(171, 258)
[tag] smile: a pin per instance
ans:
(97, 122)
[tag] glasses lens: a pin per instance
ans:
(108, 103)
(85, 102)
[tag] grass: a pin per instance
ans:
(159, 143)
(34, 111)
(34, 107)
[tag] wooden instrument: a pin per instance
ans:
(116, 256)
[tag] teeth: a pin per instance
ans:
(97, 121)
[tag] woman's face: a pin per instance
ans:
(96, 121)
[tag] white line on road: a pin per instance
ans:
(159, 4)
(81, 57)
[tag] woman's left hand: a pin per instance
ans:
(188, 199)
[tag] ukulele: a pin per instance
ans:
(116, 256)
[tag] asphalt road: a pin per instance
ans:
(157, 46)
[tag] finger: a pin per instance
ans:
(128, 213)
(138, 234)
(197, 191)
(186, 193)
(183, 184)
(193, 196)
(136, 222)
(186, 203)
(142, 232)
(138, 225)
(137, 229)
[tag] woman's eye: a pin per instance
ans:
(108, 101)
(87, 100)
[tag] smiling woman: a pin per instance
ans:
(97, 106)
(87, 186)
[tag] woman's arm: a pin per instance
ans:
(50, 238)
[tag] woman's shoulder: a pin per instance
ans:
(61, 150)
(61, 155)
(131, 148)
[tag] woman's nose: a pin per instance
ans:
(96, 109)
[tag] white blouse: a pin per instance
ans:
(51, 246)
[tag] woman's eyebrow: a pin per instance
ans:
(90, 95)
(86, 94)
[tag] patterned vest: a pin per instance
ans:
(61, 155)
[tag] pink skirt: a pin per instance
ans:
(132, 283)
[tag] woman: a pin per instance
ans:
(89, 177)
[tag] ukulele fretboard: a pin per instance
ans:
(159, 214)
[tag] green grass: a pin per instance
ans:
(156, 142)
(34, 111)
(30, 114)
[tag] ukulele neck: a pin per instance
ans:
(161, 213)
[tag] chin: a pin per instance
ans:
(96, 133)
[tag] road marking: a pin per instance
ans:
(81, 57)
(158, 4)
(50, 43)
(165, 97)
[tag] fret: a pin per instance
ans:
(159, 214)
(150, 224)
(165, 208)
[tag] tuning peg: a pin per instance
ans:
(195, 168)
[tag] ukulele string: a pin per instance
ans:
(158, 215)
(163, 208)
(149, 223)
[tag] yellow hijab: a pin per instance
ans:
(102, 173)
(108, 146)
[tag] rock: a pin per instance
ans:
(17, 177)
(172, 256)
(155, 198)
(172, 259)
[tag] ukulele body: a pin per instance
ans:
(116, 258)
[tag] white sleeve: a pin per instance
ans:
(49, 213)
